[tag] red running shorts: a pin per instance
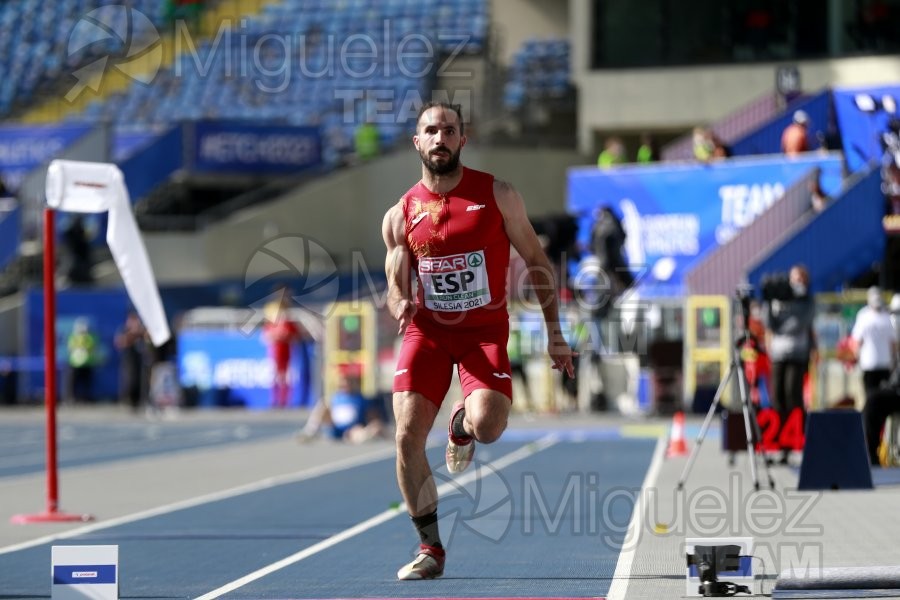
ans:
(429, 351)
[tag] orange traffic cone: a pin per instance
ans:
(677, 444)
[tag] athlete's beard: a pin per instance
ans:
(438, 168)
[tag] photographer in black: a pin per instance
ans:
(789, 313)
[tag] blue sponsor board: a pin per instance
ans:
(863, 114)
(245, 148)
(674, 215)
(76, 574)
(230, 368)
(25, 147)
(104, 312)
(126, 142)
(10, 234)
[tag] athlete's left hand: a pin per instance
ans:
(561, 354)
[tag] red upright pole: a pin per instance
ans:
(51, 515)
(50, 356)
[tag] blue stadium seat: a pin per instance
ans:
(540, 69)
(224, 86)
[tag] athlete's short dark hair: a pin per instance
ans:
(457, 108)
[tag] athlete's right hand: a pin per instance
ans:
(404, 314)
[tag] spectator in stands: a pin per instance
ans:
(792, 344)
(708, 146)
(83, 354)
(648, 151)
(188, 11)
(4, 191)
(366, 141)
(613, 153)
(818, 199)
(794, 139)
(131, 343)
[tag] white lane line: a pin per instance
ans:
(255, 486)
(619, 586)
(501, 463)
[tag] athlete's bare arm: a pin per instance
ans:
(540, 271)
(397, 267)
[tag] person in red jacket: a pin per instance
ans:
(454, 229)
(281, 333)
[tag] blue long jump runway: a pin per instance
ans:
(532, 519)
(23, 446)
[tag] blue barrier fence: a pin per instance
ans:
(238, 147)
(23, 148)
(767, 139)
(676, 214)
(10, 235)
(153, 163)
(837, 244)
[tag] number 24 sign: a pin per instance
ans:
(777, 435)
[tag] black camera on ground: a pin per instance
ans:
(777, 287)
(712, 560)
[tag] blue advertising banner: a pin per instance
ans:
(245, 148)
(675, 214)
(126, 142)
(152, 161)
(229, 368)
(10, 232)
(103, 312)
(863, 115)
(25, 147)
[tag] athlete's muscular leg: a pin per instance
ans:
(414, 415)
(487, 413)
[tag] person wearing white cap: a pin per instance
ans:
(795, 139)
(874, 341)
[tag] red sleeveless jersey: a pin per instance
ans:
(460, 252)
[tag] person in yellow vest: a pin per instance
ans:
(613, 153)
(82, 357)
(366, 141)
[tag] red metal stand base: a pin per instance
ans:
(49, 517)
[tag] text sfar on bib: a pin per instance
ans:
(455, 283)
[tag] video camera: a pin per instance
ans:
(776, 287)
(712, 560)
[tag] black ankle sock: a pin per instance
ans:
(457, 427)
(427, 528)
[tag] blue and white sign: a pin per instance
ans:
(25, 147)
(244, 148)
(84, 572)
(674, 214)
(863, 114)
(230, 368)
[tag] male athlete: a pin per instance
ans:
(454, 227)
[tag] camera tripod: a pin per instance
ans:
(751, 426)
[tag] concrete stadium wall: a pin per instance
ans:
(343, 213)
(631, 100)
(519, 20)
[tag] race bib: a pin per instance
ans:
(455, 283)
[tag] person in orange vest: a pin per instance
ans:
(794, 139)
